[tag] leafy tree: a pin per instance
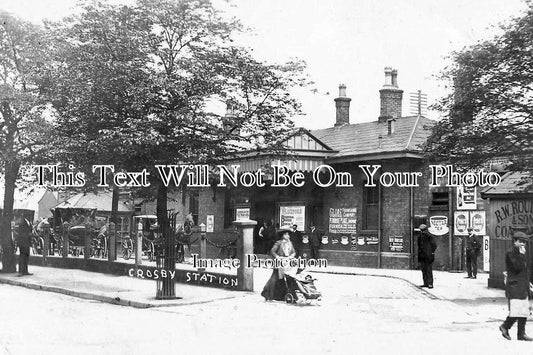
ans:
(23, 125)
(489, 113)
(134, 85)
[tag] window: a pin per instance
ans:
(194, 205)
(440, 199)
(370, 207)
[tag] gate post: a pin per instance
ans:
(87, 242)
(245, 246)
(111, 243)
(66, 241)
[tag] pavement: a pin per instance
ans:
(474, 294)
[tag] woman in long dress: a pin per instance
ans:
(275, 287)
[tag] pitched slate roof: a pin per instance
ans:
(363, 138)
(514, 182)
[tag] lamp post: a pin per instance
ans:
(203, 244)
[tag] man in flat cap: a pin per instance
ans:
(517, 288)
(426, 255)
(473, 246)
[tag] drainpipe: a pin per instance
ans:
(379, 225)
(450, 231)
(411, 226)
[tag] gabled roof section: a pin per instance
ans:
(303, 140)
(363, 139)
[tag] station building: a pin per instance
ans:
(365, 226)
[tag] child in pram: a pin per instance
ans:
(301, 288)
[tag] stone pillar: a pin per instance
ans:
(245, 246)
(203, 244)
(111, 243)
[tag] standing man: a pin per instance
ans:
(426, 255)
(472, 251)
(296, 239)
(314, 242)
(517, 287)
(24, 242)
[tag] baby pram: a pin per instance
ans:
(301, 288)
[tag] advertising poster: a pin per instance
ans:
(291, 215)
(461, 222)
(342, 220)
(242, 214)
(466, 198)
(438, 225)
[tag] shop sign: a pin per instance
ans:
(242, 214)
(438, 225)
(507, 215)
(290, 215)
(466, 198)
(465, 219)
(343, 220)
(396, 243)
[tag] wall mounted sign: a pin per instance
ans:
(396, 243)
(242, 214)
(461, 222)
(465, 219)
(343, 220)
(438, 225)
(466, 198)
(210, 223)
(478, 222)
(290, 215)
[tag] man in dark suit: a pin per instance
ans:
(296, 239)
(472, 251)
(24, 242)
(517, 287)
(426, 255)
(314, 242)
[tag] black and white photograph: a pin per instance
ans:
(266, 177)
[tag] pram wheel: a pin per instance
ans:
(289, 298)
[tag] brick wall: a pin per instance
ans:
(391, 103)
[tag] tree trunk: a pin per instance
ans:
(8, 250)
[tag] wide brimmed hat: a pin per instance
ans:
(520, 236)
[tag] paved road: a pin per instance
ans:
(358, 315)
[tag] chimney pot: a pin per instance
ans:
(388, 76)
(394, 75)
(342, 90)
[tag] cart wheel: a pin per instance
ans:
(300, 298)
(289, 298)
(126, 253)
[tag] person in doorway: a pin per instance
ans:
(473, 246)
(426, 255)
(275, 288)
(517, 288)
(296, 239)
(24, 242)
(314, 242)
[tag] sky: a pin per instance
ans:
(349, 42)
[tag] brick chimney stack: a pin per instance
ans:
(390, 97)
(342, 103)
